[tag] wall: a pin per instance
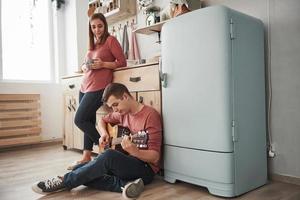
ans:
(282, 23)
(285, 62)
(76, 34)
(81, 30)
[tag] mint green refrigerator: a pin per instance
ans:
(213, 100)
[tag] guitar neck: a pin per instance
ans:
(116, 141)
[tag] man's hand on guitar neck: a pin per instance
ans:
(128, 146)
(150, 156)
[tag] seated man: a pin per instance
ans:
(113, 170)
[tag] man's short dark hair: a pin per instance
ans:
(115, 89)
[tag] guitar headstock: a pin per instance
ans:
(140, 139)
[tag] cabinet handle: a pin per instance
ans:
(74, 104)
(135, 79)
(72, 86)
(70, 104)
(141, 99)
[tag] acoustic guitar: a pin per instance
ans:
(116, 134)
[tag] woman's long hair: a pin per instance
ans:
(105, 34)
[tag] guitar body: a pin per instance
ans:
(115, 137)
(115, 132)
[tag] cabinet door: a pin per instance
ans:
(77, 133)
(134, 95)
(73, 136)
(68, 123)
(100, 113)
(151, 99)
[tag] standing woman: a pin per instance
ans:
(104, 55)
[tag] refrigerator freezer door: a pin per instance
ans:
(197, 101)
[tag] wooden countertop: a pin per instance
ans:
(80, 73)
(139, 65)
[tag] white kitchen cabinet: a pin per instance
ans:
(73, 136)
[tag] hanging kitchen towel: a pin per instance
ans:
(134, 52)
(125, 42)
(129, 31)
(113, 32)
(118, 35)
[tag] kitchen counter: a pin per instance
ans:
(80, 73)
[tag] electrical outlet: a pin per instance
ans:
(272, 150)
(271, 154)
(273, 147)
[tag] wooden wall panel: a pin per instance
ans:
(20, 119)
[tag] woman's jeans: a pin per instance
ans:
(85, 118)
(109, 171)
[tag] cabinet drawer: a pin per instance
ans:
(71, 84)
(139, 79)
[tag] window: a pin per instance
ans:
(25, 36)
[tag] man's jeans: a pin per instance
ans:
(110, 171)
(85, 117)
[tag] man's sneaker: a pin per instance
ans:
(133, 189)
(55, 184)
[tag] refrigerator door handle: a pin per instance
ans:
(163, 78)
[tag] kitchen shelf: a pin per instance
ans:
(155, 28)
(121, 9)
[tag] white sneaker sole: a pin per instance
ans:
(38, 190)
(137, 182)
